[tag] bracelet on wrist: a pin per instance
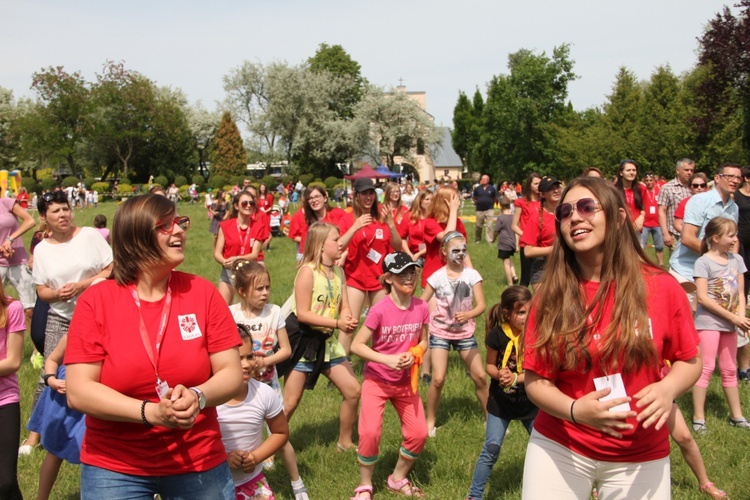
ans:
(572, 418)
(10, 239)
(46, 378)
(143, 414)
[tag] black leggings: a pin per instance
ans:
(525, 268)
(39, 324)
(10, 423)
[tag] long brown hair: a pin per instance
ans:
(526, 192)
(359, 210)
(310, 217)
(416, 206)
(233, 211)
(562, 328)
(439, 205)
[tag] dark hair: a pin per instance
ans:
(511, 299)
(727, 165)
(244, 332)
(44, 201)
(635, 186)
(504, 202)
(100, 221)
(745, 172)
(310, 217)
(586, 171)
(526, 192)
(134, 243)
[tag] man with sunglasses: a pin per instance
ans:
(700, 209)
(670, 195)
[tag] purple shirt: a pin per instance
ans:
(8, 224)
(394, 331)
(9, 392)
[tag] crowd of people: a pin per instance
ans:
(589, 348)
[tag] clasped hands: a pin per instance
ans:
(242, 459)
(177, 409)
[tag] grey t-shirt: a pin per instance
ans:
(723, 288)
(506, 238)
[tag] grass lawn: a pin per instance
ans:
(445, 468)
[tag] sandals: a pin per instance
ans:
(404, 487)
(699, 426)
(340, 448)
(712, 491)
(362, 489)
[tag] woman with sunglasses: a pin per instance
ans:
(240, 237)
(539, 232)
(634, 192)
(66, 262)
(315, 208)
(150, 355)
(698, 184)
(600, 329)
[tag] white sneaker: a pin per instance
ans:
(432, 432)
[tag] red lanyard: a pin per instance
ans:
(243, 241)
(154, 358)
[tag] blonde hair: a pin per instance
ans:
(316, 238)
(416, 206)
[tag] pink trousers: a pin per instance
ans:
(725, 345)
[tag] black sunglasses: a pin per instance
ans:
(699, 185)
(246, 203)
(586, 208)
(55, 197)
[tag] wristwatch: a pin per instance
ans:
(201, 397)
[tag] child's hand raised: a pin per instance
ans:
(454, 202)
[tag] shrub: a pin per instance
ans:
(89, 181)
(180, 181)
(306, 179)
(124, 189)
(70, 181)
(217, 182)
(271, 182)
(101, 187)
(236, 180)
(48, 183)
(331, 182)
(286, 179)
(125, 180)
(161, 180)
(226, 188)
(183, 191)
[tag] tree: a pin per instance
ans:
(333, 59)
(464, 129)
(228, 157)
(397, 125)
(9, 139)
(203, 126)
(518, 132)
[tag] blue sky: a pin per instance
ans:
(436, 46)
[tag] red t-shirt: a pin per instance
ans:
(264, 203)
(367, 249)
(675, 339)
(630, 201)
(105, 329)
(529, 209)
(651, 206)
(416, 235)
(23, 200)
(679, 212)
(335, 216)
(238, 242)
(533, 236)
(401, 217)
(432, 259)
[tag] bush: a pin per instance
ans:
(227, 188)
(331, 182)
(89, 181)
(49, 183)
(320, 184)
(101, 187)
(306, 179)
(70, 181)
(161, 180)
(180, 181)
(286, 179)
(271, 182)
(183, 191)
(217, 182)
(124, 189)
(236, 180)
(125, 180)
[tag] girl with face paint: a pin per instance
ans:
(459, 299)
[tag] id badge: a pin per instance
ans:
(652, 210)
(374, 255)
(617, 385)
(161, 388)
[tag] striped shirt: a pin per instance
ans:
(671, 194)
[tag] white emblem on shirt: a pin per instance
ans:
(189, 328)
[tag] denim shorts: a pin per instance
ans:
(458, 345)
(226, 276)
(213, 484)
(308, 366)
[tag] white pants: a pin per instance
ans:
(20, 277)
(552, 471)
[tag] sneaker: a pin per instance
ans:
(426, 378)
(699, 426)
(740, 422)
(432, 432)
(269, 463)
(743, 375)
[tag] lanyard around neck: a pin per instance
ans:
(153, 356)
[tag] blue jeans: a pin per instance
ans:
(212, 484)
(493, 442)
(658, 238)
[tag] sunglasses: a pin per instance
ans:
(167, 226)
(699, 185)
(247, 203)
(586, 208)
(55, 196)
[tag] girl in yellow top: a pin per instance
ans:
(320, 303)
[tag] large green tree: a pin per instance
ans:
(9, 137)
(228, 156)
(334, 60)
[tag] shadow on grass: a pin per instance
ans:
(462, 408)
(419, 474)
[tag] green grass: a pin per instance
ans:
(445, 468)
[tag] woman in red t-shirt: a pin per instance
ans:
(265, 199)
(315, 208)
(150, 355)
(372, 235)
(400, 212)
(600, 327)
(526, 207)
(419, 209)
(634, 192)
(240, 237)
(539, 233)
